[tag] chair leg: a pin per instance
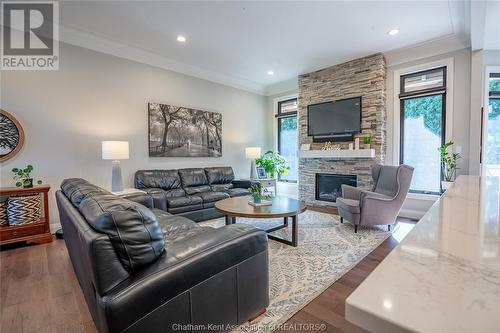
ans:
(355, 228)
(388, 227)
(341, 220)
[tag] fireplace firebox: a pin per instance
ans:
(328, 186)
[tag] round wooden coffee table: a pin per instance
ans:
(281, 207)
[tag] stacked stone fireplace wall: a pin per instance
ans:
(364, 77)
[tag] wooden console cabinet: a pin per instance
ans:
(36, 232)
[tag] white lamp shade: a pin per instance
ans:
(252, 152)
(115, 150)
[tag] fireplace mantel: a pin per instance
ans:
(340, 154)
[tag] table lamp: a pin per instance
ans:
(252, 153)
(116, 151)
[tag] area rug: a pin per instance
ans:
(327, 250)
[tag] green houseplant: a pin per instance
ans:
(23, 177)
(273, 164)
(367, 140)
(258, 193)
(448, 163)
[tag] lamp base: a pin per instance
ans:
(253, 170)
(116, 177)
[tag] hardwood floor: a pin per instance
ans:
(39, 292)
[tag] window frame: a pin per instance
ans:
(281, 115)
(394, 110)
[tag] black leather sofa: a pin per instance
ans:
(144, 270)
(191, 192)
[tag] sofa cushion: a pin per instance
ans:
(349, 205)
(184, 209)
(213, 196)
(188, 200)
(238, 192)
(172, 224)
(193, 177)
(77, 189)
(197, 189)
(164, 179)
(219, 175)
(133, 229)
(221, 187)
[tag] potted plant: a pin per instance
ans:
(273, 164)
(367, 140)
(258, 193)
(23, 177)
(449, 164)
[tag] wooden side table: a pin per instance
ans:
(36, 232)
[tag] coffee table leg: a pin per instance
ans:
(228, 220)
(294, 242)
(285, 220)
(294, 231)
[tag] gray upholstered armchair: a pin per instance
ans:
(382, 204)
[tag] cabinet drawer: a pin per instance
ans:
(7, 233)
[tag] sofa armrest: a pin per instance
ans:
(243, 183)
(186, 265)
(142, 198)
(159, 197)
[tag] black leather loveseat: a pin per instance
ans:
(191, 192)
(145, 270)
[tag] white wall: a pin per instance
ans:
(94, 97)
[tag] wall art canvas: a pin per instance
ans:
(11, 136)
(176, 131)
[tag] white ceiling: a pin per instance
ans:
(237, 43)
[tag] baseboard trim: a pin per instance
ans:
(411, 214)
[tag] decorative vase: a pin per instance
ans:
(257, 199)
(446, 185)
(28, 183)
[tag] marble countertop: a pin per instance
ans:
(444, 276)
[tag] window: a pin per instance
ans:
(287, 137)
(423, 104)
(493, 126)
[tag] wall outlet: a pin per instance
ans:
(458, 149)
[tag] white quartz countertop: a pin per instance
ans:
(444, 276)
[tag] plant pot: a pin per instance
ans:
(257, 199)
(28, 183)
(271, 175)
(366, 146)
(445, 185)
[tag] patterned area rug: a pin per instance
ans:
(327, 250)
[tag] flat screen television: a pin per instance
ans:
(337, 117)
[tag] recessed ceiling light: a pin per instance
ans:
(393, 32)
(270, 73)
(181, 39)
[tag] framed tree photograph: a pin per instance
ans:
(176, 131)
(11, 136)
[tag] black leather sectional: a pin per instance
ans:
(191, 192)
(143, 269)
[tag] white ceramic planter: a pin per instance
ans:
(446, 185)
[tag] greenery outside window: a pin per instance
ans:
(423, 116)
(287, 137)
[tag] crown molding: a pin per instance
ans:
(102, 44)
(426, 49)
